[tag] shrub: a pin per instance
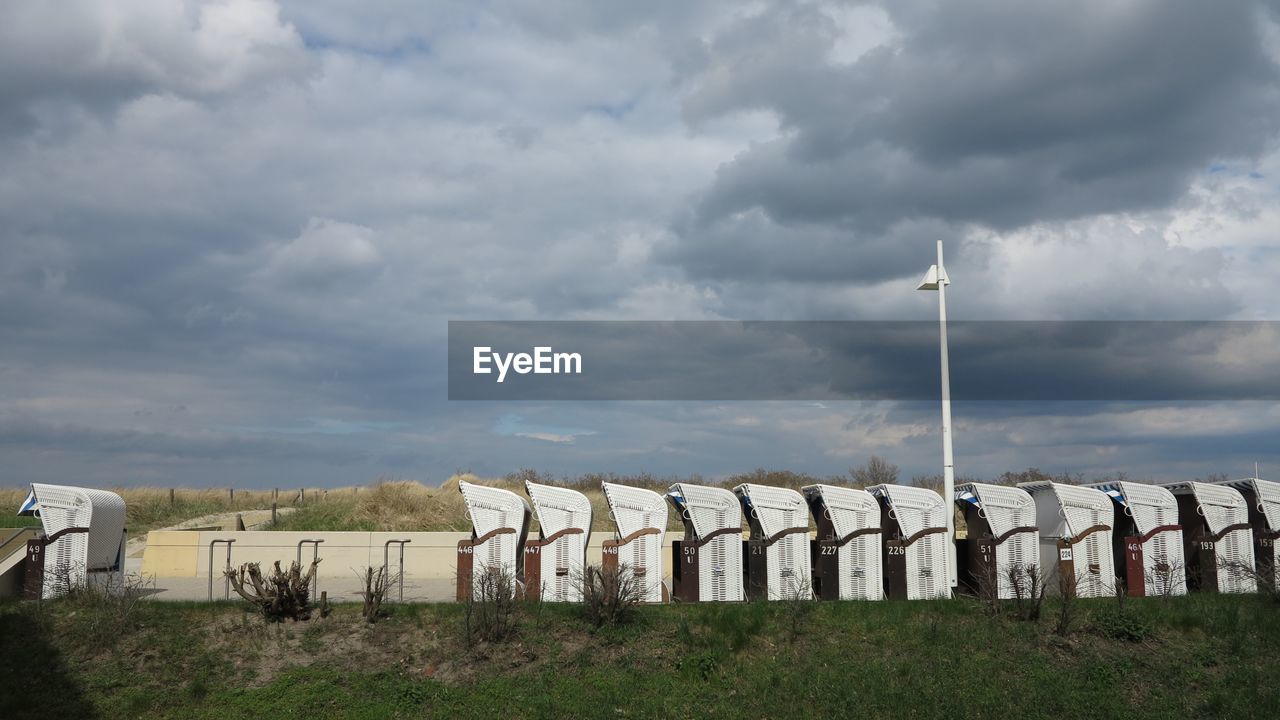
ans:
(1028, 591)
(376, 584)
(1118, 623)
(1068, 602)
(490, 611)
(108, 605)
(609, 594)
(798, 607)
(283, 595)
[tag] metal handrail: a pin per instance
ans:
(315, 555)
(226, 581)
(386, 549)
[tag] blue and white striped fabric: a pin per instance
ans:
(967, 495)
(1117, 496)
(28, 506)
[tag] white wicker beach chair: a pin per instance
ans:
(848, 566)
(1216, 529)
(1009, 516)
(554, 564)
(919, 538)
(1152, 511)
(1263, 499)
(500, 522)
(84, 534)
(1075, 537)
(708, 566)
(778, 560)
(641, 518)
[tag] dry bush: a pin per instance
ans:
(610, 594)
(283, 595)
(1165, 579)
(490, 611)
(1266, 586)
(798, 607)
(780, 478)
(876, 471)
(376, 584)
(1029, 590)
(1068, 605)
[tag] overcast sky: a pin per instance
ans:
(232, 233)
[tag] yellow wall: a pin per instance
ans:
(429, 555)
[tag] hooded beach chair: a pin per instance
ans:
(847, 564)
(1263, 500)
(641, 519)
(1147, 539)
(1002, 550)
(1217, 537)
(914, 522)
(778, 566)
(1075, 538)
(707, 564)
(554, 564)
(499, 524)
(83, 542)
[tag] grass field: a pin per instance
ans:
(1200, 656)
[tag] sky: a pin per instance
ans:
(233, 232)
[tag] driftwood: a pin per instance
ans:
(280, 596)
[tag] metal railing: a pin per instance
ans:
(386, 550)
(315, 555)
(226, 582)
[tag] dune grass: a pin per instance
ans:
(149, 508)
(403, 506)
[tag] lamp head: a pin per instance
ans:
(934, 278)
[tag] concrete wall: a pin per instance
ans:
(430, 559)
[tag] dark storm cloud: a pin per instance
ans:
(988, 114)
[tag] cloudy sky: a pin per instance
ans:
(232, 233)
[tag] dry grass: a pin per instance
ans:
(387, 505)
(406, 506)
(150, 508)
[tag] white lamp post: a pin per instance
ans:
(936, 279)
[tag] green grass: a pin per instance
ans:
(1201, 656)
(9, 520)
